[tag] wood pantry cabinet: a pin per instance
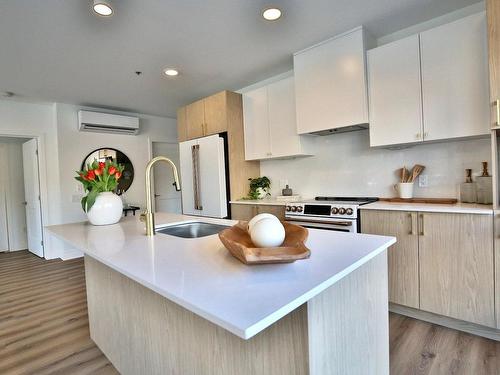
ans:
(452, 255)
(222, 112)
(244, 211)
(430, 86)
(204, 117)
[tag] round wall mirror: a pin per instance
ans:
(112, 154)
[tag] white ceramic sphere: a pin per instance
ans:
(107, 209)
(259, 217)
(267, 232)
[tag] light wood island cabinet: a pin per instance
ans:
(442, 263)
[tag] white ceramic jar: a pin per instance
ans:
(107, 209)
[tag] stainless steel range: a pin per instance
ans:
(330, 213)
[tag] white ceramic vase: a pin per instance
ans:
(107, 209)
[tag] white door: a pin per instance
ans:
(256, 123)
(455, 79)
(282, 122)
(32, 196)
(395, 93)
(167, 199)
(212, 173)
(4, 237)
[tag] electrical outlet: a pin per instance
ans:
(423, 181)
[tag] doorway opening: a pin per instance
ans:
(21, 225)
(167, 199)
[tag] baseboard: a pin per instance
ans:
(68, 254)
(459, 325)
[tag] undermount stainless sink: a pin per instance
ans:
(192, 230)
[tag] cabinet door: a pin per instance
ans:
(182, 125)
(497, 265)
(282, 121)
(455, 79)
(195, 119)
(278, 211)
(256, 124)
(330, 84)
(456, 266)
(243, 211)
(215, 113)
(493, 13)
(395, 93)
(402, 256)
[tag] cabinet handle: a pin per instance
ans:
(422, 231)
(497, 105)
(411, 233)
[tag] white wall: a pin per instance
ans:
(74, 146)
(12, 165)
(345, 165)
(62, 149)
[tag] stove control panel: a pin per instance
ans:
(321, 210)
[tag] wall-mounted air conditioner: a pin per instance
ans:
(107, 123)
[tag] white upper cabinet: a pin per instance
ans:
(431, 86)
(455, 79)
(330, 84)
(256, 124)
(270, 124)
(395, 93)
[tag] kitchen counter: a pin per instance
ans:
(265, 202)
(201, 276)
(465, 208)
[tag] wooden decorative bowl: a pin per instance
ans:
(237, 240)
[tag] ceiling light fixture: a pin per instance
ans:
(271, 14)
(171, 72)
(103, 8)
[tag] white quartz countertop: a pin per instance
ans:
(200, 274)
(466, 208)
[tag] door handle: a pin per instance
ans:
(157, 195)
(25, 203)
(422, 228)
(496, 103)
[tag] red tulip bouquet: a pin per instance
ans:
(98, 177)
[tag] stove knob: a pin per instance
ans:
(288, 208)
(299, 208)
(349, 211)
(335, 210)
(342, 211)
(294, 208)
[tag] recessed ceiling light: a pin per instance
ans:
(171, 72)
(103, 8)
(271, 14)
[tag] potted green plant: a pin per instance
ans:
(259, 187)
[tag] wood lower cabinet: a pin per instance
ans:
(243, 211)
(402, 256)
(456, 266)
(442, 262)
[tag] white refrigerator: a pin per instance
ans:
(203, 174)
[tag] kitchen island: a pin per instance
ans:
(170, 305)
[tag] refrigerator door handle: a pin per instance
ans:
(195, 154)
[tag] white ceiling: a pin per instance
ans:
(58, 50)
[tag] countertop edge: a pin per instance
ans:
(429, 207)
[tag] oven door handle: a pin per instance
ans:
(339, 223)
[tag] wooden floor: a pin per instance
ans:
(43, 318)
(44, 328)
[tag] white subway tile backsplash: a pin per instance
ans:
(344, 165)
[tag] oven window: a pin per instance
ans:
(316, 209)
